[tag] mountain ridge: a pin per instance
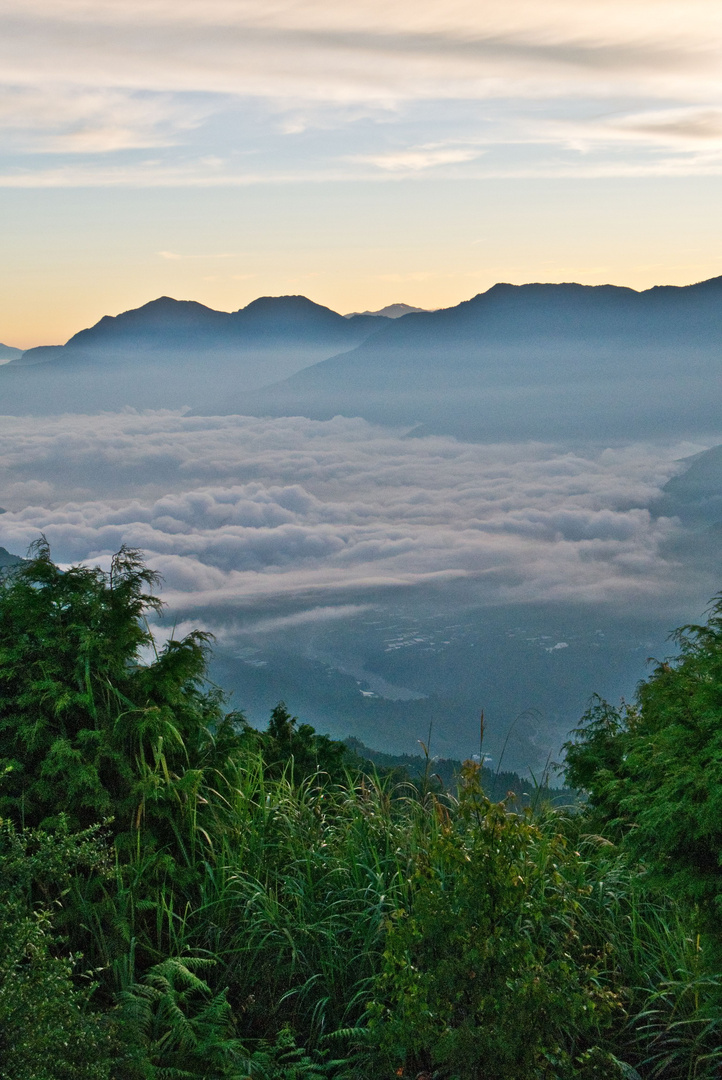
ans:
(486, 316)
(528, 361)
(563, 303)
(391, 311)
(165, 324)
(539, 360)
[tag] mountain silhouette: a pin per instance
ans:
(166, 325)
(531, 360)
(541, 361)
(695, 494)
(178, 354)
(8, 560)
(391, 311)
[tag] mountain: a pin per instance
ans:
(529, 361)
(391, 311)
(540, 361)
(7, 559)
(171, 326)
(175, 353)
(695, 494)
(8, 353)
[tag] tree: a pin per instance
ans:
(88, 728)
(653, 771)
(286, 743)
(485, 972)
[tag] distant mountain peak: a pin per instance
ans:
(8, 560)
(550, 289)
(155, 317)
(162, 305)
(285, 332)
(292, 301)
(286, 309)
(391, 311)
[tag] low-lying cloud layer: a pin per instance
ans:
(295, 515)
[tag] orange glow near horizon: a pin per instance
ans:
(359, 155)
(50, 294)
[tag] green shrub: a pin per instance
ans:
(171, 1025)
(484, 972)
(653, 770)
(48, 1030)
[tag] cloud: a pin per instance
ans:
(367, 50)
(670, 126)
(694, 131)
(415, 159)
(174, 256)
(153, 174)
(280, 80)
(238, 512)
(312, 616)
(74, 120)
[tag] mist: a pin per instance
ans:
(379, 582)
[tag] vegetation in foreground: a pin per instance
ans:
(184, 896)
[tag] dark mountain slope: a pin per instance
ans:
(529, 361)
(695, 494)
(162, 323)
(298, 318)
(177, 353)
(168, 326)
(533, 320)
(8, 560)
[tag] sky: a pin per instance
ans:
(358, 154)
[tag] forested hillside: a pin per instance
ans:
(185, 896)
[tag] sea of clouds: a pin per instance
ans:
(298, 519)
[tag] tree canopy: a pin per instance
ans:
(653, 769)
(94, 721)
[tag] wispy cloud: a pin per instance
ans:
(116, 79)
(176, 257)
(554, 166)
(311, 616)
(416, 159)
(49, 119)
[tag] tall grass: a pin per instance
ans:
(290, 890)
(657, 962)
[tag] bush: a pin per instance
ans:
(48, 1030)
(484, 971)
(653, 770)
